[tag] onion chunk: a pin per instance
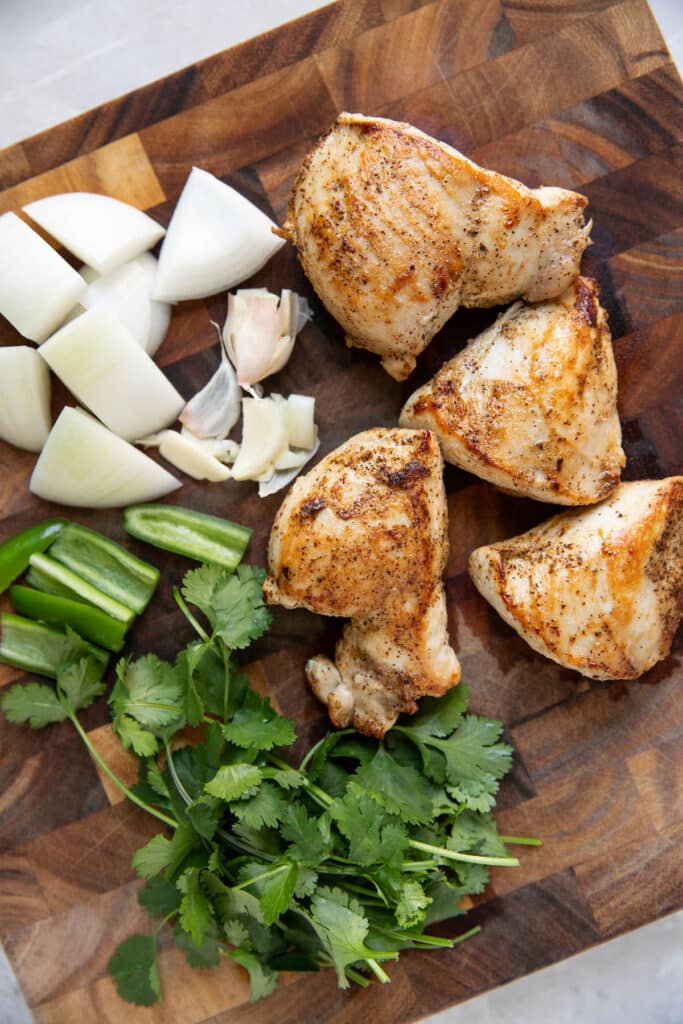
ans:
(37, 287)
(84, 465)
(100, 361)
(24, 397)
(216, 239)
(103, 232)
(127, 292)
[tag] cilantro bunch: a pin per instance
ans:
(342, 862)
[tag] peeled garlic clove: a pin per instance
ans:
(291, 460)
(300, 413)
(264, 437)
(191, 458)
(283, 478)
(38, 288)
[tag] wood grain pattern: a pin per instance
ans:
(579, 93)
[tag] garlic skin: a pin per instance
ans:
(260, 331)
(214, 410)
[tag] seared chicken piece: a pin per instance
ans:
(364, 535)
(598, 590)
(531, 403)
(397, 230)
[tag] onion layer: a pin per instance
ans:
(37, 287)
(84, 465)
(24, 397)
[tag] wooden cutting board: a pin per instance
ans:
(581, 94)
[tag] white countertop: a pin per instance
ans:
(61, 59)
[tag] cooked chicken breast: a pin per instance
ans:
(598, 590)
(364, 535)
(531, 403)
(397, 230)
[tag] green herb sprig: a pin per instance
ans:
(342, 862)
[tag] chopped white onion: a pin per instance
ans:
(24, 397)
(191, 458)
(214, 410)
(290, 459)
(216, 239)
(127, 292)
(264, 437)
(37, 287)
(284, 477)
(300, 415)
(100, 361)
(83, 464)
(260, 331)
(103, 232)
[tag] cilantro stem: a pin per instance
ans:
(312, 752)
(521, 841)
(425, 940)
(185, 796)
(264, 874)
(466, 935)
(117, 781)
(323, 798)
(377, 970)
(180, 601)
(352, 975)
(468, 858)
(171, 913)
(238, 844)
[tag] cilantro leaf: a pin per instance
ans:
(79, 684)
(412, 904)
(199, 585)
(134, 737)
(35, 703)
(306, 881)
(205, 815)
(276, 892)
(134, 969)
(287, 778)
(148, 690)
(232, 602)
(258, 725)
(373, 837)
(478, 832)
(159, 897)
(160, 854)
(400, 789)
(232, 781)
(195, 908)
(438, 716)
(237, 934)
(475, 761)
(344, 926)
(309, 838)
(231, 903)
(265, 808)
(203, 956)
(262, 979)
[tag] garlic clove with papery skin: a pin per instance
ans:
(260, 331)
